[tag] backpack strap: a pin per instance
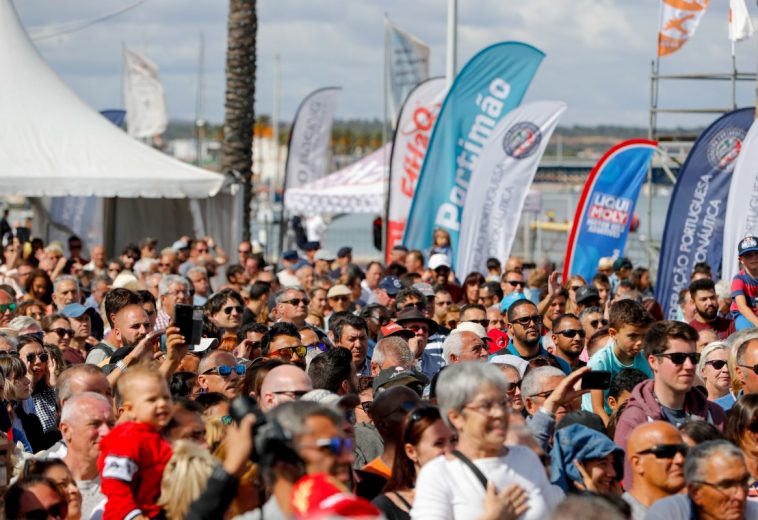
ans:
(477, 472)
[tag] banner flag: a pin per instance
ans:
(144, 101)
(679, 20)
(114, 115)
(742, 205)
(604, 211)
(740, 24)
(694, 229)
(414, 127)
(491, 84)
(408, 64)
(310, 138)
(500, 183)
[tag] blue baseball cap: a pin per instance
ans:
(510, 299)
(76, 310)
(391, 284)
(290, 255)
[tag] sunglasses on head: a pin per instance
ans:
(5, 307)
(526, 320)
(226, 370)
(286, 352)
(297, 301)
(571, 333)
(43, 357)
(595, 323)
(717, 364)
(228, 310)
(665, 451)
(678, 358)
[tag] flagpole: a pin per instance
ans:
(452, 41)
(384, 129)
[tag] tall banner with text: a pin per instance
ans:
(408, 65)
(144, 100)
(604, 212)
(742, 205)
(694, 230)
(310, 139)
(490, 85)
(414, 127)
(503, 174)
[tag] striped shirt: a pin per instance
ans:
(744, 285)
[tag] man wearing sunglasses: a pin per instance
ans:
(283, 341)
(283, 384)
(568, 337)
(7, 308)
(656, 453)
(670, 350)
(512, 281)
(292, 306)
(592, 320)
(747, 363)
(220, 372)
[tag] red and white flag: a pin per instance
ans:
(740, 24)
(679, 20)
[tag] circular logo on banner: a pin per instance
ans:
(724, 148)
(522, 140)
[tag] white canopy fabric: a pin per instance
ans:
(54, 144)
(358, 188)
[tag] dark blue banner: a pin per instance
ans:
(694, 229)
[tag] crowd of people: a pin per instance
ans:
(321, 388)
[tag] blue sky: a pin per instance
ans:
(598, 51)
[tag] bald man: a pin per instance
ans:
(283, 384)
(655, 457)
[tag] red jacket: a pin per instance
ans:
(131, 462)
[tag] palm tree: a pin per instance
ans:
(239, 116)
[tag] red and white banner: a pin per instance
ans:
(414, 127)
(679, 20)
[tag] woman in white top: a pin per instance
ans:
(472, 398)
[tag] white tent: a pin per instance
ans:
(52, 144)
(358, 188)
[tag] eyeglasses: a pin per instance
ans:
(717, 364)
(56, 511)
(594, 323)
(511, 389)
(678, 358)
(61, 332)
(727, 486)
(490, 405)
(237, 308)
(754, 368)
(177, 293)
(526, 320)
(515, 283)
(316, 346)
(483, 323)
(545, 394)
(286, 352)
(336, 445)
(226, 420)
(297, 301)
(442, 270)
(43, 357)
(665, 451)
(451, 324)
(226, 370)
(570, 333)
(292, 394)
(5, 307)
(341, 298)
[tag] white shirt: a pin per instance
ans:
(448, 489)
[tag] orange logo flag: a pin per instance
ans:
(679, 19)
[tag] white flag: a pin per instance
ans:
(742, 205)
(143, 97)
(500, 183)
(740, 24)
(408, 63)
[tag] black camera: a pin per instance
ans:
(269, 438)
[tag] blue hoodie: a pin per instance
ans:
(577, 442)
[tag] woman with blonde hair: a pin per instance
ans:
(713, 369)
(184, 478)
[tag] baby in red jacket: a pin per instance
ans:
(133, 455)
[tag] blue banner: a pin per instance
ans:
(694, 229)
(604, 212)
(115, 116)
(490, 85)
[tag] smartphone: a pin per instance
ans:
(189, 319)
(596, 380)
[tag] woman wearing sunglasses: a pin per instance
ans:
(713, 370)
(35, 498)
(17, 389)
(58, 331)
(33, 354)
(425, 436)
(57, 471)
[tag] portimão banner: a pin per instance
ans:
(489, 86)
(408, 65)
(308, 150)
(414, 127)
(604, 212)
(741, 218)
(502, 177)
(694, 230)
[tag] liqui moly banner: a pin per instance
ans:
(414, 127)
(144, 101)
(694, 230)
(408, 64)
(490, 85)
(308, 150)
(502, 177)
(742, 205)
(604, 212)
